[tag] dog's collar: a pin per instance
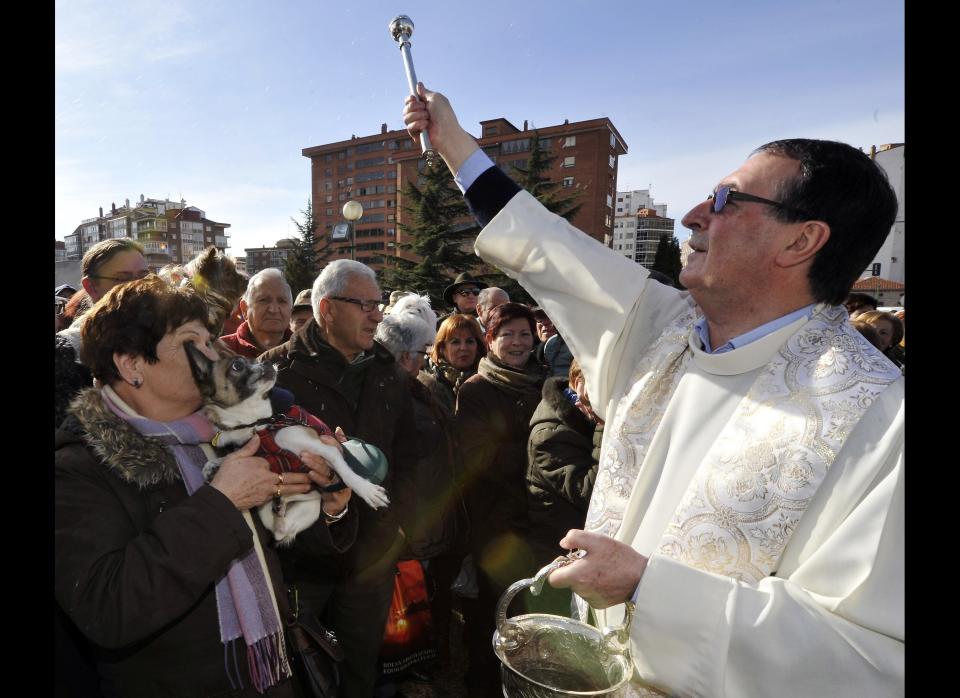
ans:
(275, 420)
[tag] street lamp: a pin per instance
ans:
(353, 212)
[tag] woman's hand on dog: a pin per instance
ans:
(247, 481)
(321, 474)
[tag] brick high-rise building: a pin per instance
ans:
(170, 231)
(374, 170)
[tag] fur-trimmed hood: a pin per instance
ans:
(555, 408)
(128, 454)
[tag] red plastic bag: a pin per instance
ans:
(408, 637)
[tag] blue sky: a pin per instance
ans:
(213, 101)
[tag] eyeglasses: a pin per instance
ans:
(468, 291)
(723, 195)
(365, 306)
(124, 277)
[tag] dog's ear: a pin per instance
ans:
(201, 367)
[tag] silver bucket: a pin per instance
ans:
(547, 656)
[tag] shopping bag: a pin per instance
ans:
(408, 636)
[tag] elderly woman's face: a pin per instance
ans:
(169, 381)
(513, 343)
(460, 349)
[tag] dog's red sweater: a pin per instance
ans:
(282, 461)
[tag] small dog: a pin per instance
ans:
(236, 393)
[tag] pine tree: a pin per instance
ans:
(303, 264)
(436, 237)
(667, 258)
(533, 178)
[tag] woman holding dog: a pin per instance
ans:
(171, 579)
(494, 408)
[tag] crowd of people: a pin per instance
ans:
(729, 456)
(448, 401)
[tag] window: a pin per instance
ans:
(329, 211)
(489, 131)
(517, 146)
(613, 161)
(613, 141)
(609, 201)
(567, 182)
(329, 199)
(569, 141)
(570, 161)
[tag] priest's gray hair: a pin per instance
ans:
(265, 275)
(405, 333)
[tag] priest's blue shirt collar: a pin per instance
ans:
(753, 335)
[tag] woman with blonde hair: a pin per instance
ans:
(455, 355)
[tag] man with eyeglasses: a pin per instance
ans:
(105, 265)
(749, 497)
(338, 372)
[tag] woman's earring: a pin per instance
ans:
(137, 382)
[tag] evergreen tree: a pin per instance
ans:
(435, 206)
(667, 258)
(534, 179)
(303, 264)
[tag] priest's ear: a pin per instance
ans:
(805, 241)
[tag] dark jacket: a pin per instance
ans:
(69, 377)
(371, 400)
(244, 343)
(561, 468)
(443, 382)
(136, 559)
(438, 521)
(492, 426)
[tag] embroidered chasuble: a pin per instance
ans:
(751, 490)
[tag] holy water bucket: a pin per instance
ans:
(547, 656)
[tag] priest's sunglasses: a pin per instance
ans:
(723, 195)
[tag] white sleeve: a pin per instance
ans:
(833, 627)
(600, 301)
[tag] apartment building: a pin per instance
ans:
(373, 170)
(170, 231)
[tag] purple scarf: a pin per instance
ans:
(244, 603)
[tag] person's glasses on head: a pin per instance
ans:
(122, 277)
(366, 306)
(468, 292)
(725, 194)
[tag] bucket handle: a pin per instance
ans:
(510, 634)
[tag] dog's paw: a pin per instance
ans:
(210, 469)
(374, 495)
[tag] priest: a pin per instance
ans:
(749, 496)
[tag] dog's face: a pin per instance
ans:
(232, 386)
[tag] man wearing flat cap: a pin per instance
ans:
(302, 310)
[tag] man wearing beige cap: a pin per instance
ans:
(302, 310)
